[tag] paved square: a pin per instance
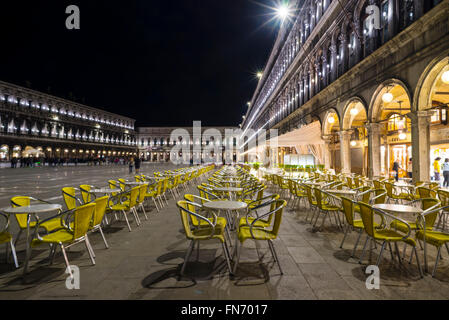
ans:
(145, 263)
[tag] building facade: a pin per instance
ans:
(365, 94)
(34, 124)
(157, 144)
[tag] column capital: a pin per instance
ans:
(345, 134)
(373, 127)
(420, 117)
(327, 139)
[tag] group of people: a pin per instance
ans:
(134, 163)
(437, 168)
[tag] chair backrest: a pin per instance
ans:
(389, 188)
(69, 196)
(443, 195)
(82, 220)
(366, 195)
(348, 210)
(319, 197)
(309, 194)
(277, 213)
(426, 192)
(377, 184)
(113, 185)
(380, 195)
(142, 192)
(21, 201)
(138, 178)
(100, 210)
(122, 184)
(85, 193)
(186, 218)
(366, 211)
(429, 203)
(134, 193)
(191, 198)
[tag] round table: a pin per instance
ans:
(341, 192)
(32, 209)
(228, 206)
(398, 208)
(232, 190)
(105, 190)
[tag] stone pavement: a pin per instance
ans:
(145, 263)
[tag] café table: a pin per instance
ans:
(105, 190)
(398, 208)
(228, 206)
(231, 190)
(343, 192)
(30, 210)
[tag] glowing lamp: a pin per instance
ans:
(445, 77)
(387, 97)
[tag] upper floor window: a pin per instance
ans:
(384, 21)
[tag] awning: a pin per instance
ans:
(306, 135)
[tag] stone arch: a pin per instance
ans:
(354, 102)
(326, 127)
(427, 81)
(376, 99)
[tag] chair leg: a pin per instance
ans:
(363, 251)
(380, 254)
(356, 243)
(417, 261)
(436, 261)
(157, 208)
(275, 256)
(13, 251)
(226, 254)
(17, 238)
(66, 261)
(344, 237)
(126, 218)
(104, 239)
(238, 251)
(144, 212)
(397, 252)
(90, 250)
(188, 253)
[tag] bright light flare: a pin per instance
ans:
(283, 12)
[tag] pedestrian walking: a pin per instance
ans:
(131, 164)
(436, 169)
(396, 168)
(445, 168)
(137, 164)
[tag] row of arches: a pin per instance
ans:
(344, 45)
(398, 123)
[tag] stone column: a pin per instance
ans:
(421, 145)
(327, 152)
(333, 63)
(345, 151)
(374, 161)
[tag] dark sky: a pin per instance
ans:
(163, 63)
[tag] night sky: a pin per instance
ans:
(163, 63)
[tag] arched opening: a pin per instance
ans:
(331, 133)
(433, 97)
(391, 105)
(4, 152)
(354, 121)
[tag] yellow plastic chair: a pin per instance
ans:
(6, 237)
(325, 206)
(153, 192)
(97, 218)
(70, 199)
(432, 237)
(246, 232)
(401, 196)
(24, 201)
(126, 206)
(73, 233)
(195, 234)
(385, 234)
(85, 193)
(141, 199)
(256, 205)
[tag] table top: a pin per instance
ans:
(225, 205)
(34, 208)
(135, 183)
(228, 189)
(398, 208)
(350, 192)
(105, 190)
(404, 185)
(230, 181)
